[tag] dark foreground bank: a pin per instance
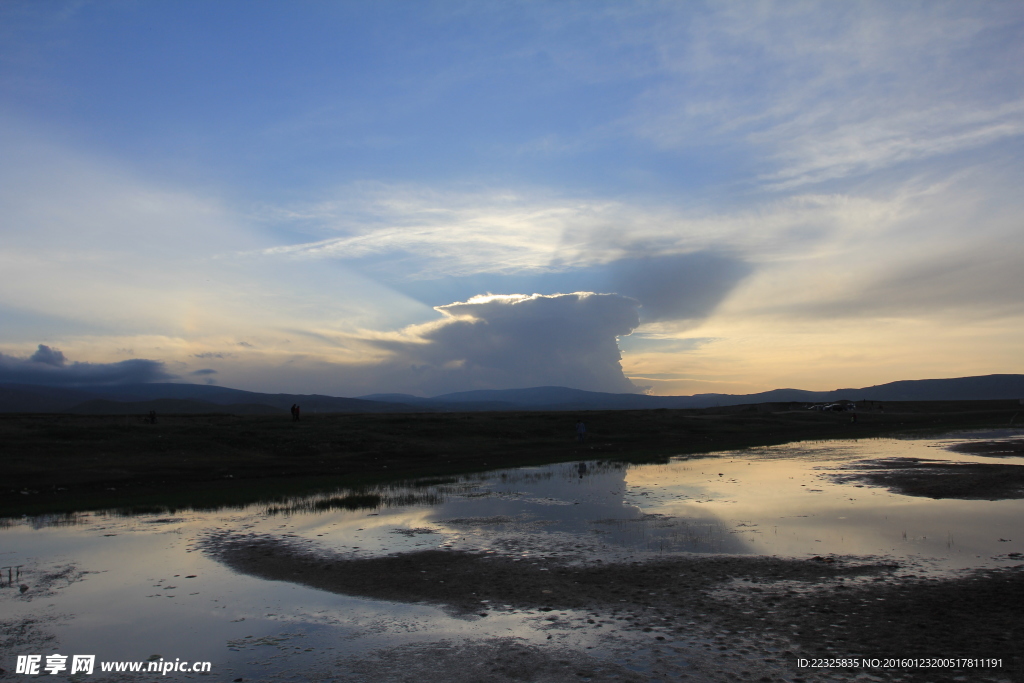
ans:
(62, 463)
(743, 618)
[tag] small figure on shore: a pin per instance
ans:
(295, 413)
(582, 469)
(298, 413)
(581, 431)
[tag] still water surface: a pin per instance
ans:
(136, 586)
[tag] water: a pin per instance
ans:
(131, 587)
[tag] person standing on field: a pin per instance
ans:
(581, 431)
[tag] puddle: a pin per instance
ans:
(131, 588)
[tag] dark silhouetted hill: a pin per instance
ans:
(29, 398)
(131, 398)
(988, 387)
(126, 399)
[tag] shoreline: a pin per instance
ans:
(64, 463)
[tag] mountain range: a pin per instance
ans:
(126, 399)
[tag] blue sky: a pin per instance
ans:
(663, 196)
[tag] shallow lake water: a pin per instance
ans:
(131, 587)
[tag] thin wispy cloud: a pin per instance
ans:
(812, 152)
(824, 92)
(423, 237)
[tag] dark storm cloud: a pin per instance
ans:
(48, 366)
(519, 341)
(677, 286)
(204, 371)
(668, 286)
(47, 356)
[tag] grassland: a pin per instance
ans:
(61, 463)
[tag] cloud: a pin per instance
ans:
(685, 286)
(816, 92)
(423, 233)
(204, 371)
(47, 356)
(438, 247)
(49, 367)
(97, 246)
(652, 343)
(679, 286)
(969, 284)
(410, 234)
(669, 173)
(801, 253)
(514, 341)
(907, 256)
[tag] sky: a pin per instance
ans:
(423, 197)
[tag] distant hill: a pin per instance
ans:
(21, 398)
(959, 389)
(408, 399)
(127, 399)
(563, 398)
(201, 398)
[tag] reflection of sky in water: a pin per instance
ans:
(136, 600)
(782, 502)
(775, 501)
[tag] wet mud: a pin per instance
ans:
(939, 479)
(494, 660)
(994, 449)
(25, 634)
(711, 618)
(32, 633)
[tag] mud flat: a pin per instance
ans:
(941, 479)
(706, 618)
(1002, 448)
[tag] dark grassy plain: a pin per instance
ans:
(57, 463)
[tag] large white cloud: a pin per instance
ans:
(513, 341)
